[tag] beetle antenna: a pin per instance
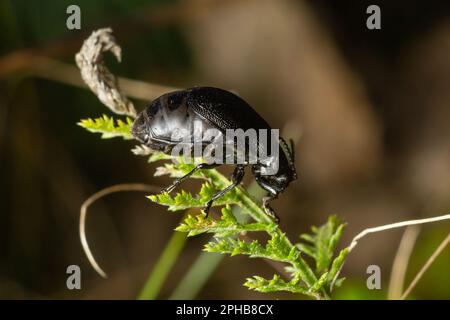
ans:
(290, 154)
(291, 142)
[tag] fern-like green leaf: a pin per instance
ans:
(108, 127)
(236, 246)
(322, 243)
(225, 227)
(275, 249)
(185, 200)
(336, 267)
(276, 284)
(157, 156)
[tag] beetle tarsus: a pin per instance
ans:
(238, 175)
(176, 182)
(207, 208)
(269, 210)
(170, 188)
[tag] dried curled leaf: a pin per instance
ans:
(97, 76)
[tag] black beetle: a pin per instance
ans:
(157, 126)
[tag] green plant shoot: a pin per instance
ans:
(316, 280)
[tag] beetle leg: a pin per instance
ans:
(176, 182)
(238, 175)
(269, 209)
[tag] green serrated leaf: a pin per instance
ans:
(309, 250)
(307, 237)
(337, 264)
(275, 284)
(321, 282)
(207, 191)
(338, 282)
(108, 127)
(322, 242)
(157, 156)
(226, 226)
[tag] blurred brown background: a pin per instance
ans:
(370, 110)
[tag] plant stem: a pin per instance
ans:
(207, 262)
(196, 277)
(258, 214)
(162, 268)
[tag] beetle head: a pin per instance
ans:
(274, 184)
(157, 126)
(141, 132)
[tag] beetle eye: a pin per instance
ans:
(175, 101)
(140, 121)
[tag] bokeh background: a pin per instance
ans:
(370, 111)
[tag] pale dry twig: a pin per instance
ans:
(427, 265)
(96, 196)
(390, 226)
(401, 261)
